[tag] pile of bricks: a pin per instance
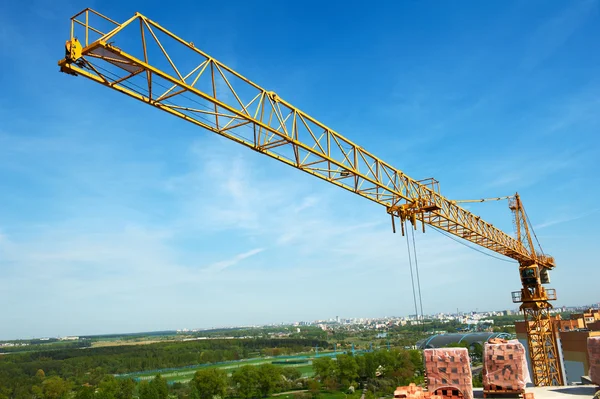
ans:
(414, 392)
(593, 344)
(504, 366)
(448, 372)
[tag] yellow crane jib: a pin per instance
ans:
(215, 97)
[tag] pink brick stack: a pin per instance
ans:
(449, 369)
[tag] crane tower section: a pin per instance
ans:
(144, 60)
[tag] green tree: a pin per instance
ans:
(40, 375)
(324, 368)
(182, 390)
(370, 365)
(384, 359)
(246, 380)
(37, 391)
(314, 388)
(193, 394)
(55, 388)
(108, 388)
(85, 392)
(209, 383)
(103, 395)
(478, 380)
(147, 391)
(161, 386)
(347, 369)
(267, 377)
(416, 358)
(291, 373)
(476, 351)
(331, 384)
(96, 375)
(126, 388)
(403, 370)
(361, 363)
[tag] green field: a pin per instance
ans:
(186, 374)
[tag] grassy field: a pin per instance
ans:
(185, 374)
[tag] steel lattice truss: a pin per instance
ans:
(203, 91)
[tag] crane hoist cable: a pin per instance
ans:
(418, 278)
(484, 199)
(442, 232)
(508, 197)
(412, 279)
(533, 231)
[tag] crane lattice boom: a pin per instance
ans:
(142, 59)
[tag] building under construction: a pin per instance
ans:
(572, 337)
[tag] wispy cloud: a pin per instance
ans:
(565, 219)
(570, 113)
(523, 169)
(112, 262)
(221, 265)
(556, 31)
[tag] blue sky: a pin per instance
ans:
(116, 217)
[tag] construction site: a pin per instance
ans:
(550, 357)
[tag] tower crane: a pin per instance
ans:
(137, 58)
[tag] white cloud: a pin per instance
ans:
(221, 265)
(564, 219)
(519, 170)
(555, 32)
(243, 232)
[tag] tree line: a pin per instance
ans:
(380, 371)
(19, 373)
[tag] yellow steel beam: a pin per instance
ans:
(276, 128)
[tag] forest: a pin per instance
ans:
(20, 371)
(89, 373)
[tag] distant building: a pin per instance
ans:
(69, 338)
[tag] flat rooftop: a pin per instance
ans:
(571, 391)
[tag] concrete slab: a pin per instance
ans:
(574, 392)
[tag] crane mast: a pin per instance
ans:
(535, 305)
(137, 58)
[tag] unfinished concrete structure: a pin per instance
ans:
(572, 339)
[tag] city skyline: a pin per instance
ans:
(300, 323)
